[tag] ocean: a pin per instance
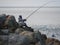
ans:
(41, 17)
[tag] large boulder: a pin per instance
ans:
(52, 41)
(44, 37)
(11, 23)
(2, 20)
(29, 35)
(48, 41)
(34, 37)
(39, 37)
(24, 38)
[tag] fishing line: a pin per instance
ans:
(38, 9)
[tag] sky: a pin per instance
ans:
(43, 16)
(28, 3)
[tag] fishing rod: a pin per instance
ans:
(37, 9)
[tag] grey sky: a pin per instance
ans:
(41, 17)
(23, 3)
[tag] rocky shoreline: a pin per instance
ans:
(12, 34)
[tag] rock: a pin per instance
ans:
(19, 30)
(44, 37)
(34, 37)
(0, 41)
(52, 41)
(4, 32)
(18, 40)
(38, 43)
(28, 34)
(3, 39)
(53, 35)
(38, 37)
(11, 23)
(24, 40)
(2, 20)
(28, 29)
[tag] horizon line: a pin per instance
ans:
(29, 7)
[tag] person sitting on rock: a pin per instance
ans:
(21, 21)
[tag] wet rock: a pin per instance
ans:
(53, 35)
